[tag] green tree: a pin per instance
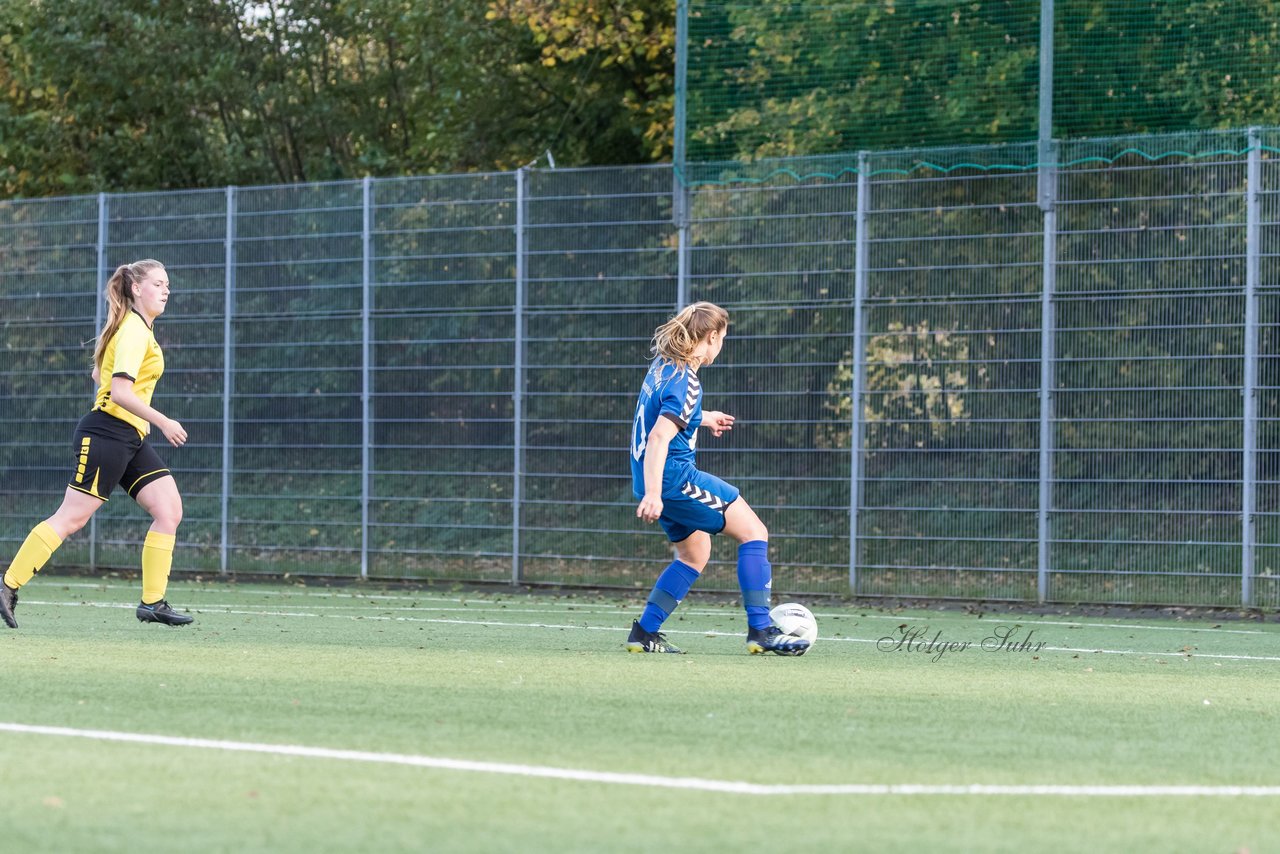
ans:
(618, 51)
(159, 94)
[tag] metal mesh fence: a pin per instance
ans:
(781, 260)
(1063, 383)
(49, 258)
(952, 336)
(442, 339)
(778, 78)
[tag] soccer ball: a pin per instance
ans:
(795, 619)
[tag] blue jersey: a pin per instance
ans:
(668, 392)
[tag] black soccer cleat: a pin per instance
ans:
(8, 602)
(642, 641)
(160, 612)
(775, 640)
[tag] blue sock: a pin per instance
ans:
(672, 586)
(755, 578)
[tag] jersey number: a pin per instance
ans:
(638, 434)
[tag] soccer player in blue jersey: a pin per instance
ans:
(111, 446)
(689, 504)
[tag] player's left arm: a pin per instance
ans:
(718, 423)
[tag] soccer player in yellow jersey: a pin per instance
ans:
(111, 446)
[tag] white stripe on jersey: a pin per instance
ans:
(691, 397)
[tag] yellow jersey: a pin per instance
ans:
(133, 353)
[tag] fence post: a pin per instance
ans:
(1047, 193)
(679, 151)
(517, 385)
(366, 373)
(98, 319)
(679, 190)
(680, 209)
(228, 370)
(858, 363)
(1045, 121)
(1047, 180)
(1249, 497)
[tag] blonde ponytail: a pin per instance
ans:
(675, 340)
(119, 293)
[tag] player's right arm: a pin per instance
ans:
(122, 394)
(655, 460)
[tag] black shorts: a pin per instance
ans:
(110, 452)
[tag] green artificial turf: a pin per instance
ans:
(543, 681)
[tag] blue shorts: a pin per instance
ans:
(693, 500)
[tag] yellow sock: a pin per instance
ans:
(36, 550)
(157, 557)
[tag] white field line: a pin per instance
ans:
(732, 787)
(481, 604)
(222, 609)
